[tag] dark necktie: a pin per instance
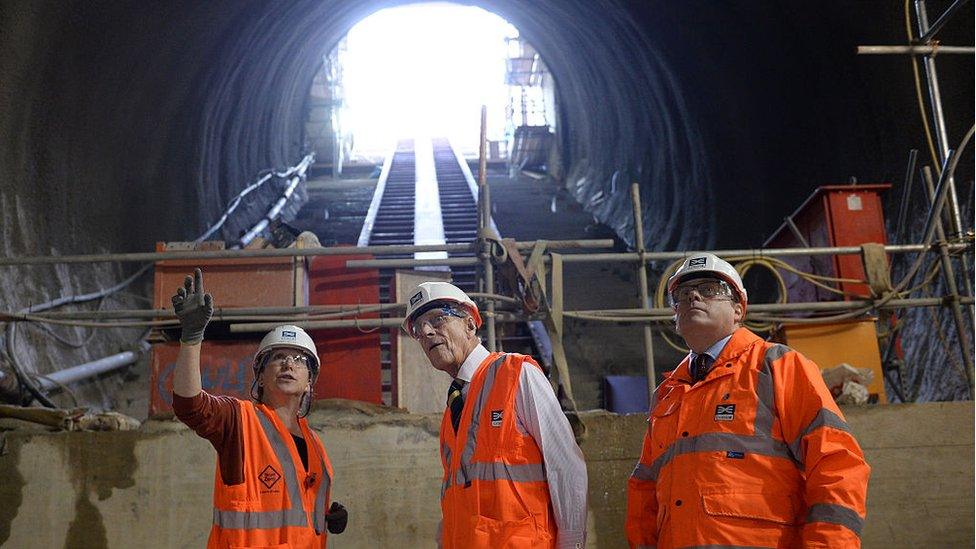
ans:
(700, 367)
(455, 402)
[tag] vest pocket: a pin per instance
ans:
(509, 534)
(754, 505)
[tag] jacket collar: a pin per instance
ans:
(471, 363)
(742, 339)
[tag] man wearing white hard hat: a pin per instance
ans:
(273, 482)
(745, 446)
(513, 473)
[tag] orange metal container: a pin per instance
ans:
(239, 282)
(853, 342)
(834, 215)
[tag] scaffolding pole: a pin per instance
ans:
(642, 288)
(484, 224)
(142, 257)
(935, 97)
(630, 257)
(948, 273)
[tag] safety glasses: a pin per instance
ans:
(707, 289)
(297, 357)
(434, 320)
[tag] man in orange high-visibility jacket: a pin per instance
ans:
(745, 446)
(513, 473)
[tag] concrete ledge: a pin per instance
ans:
(152, 488)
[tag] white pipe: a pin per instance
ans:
(80, 372)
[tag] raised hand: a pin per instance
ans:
(193, 307)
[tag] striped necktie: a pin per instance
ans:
(455, 402)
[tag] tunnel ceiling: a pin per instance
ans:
(133, 122)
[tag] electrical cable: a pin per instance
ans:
(24, 313)
(64, 340)
(62, 386)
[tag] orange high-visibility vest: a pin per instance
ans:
(279, 504)
(755, 455)
(494, 492)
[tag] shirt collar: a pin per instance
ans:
(470, 364)
(714, 350)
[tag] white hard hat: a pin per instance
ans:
(706, 263)
(291, 337)
(429, 292)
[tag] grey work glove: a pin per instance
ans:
(336, 518)
(193, 307)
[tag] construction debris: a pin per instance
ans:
(75, 419)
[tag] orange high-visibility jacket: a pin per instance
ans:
(755, 455)
(494, 492)
(279, 504)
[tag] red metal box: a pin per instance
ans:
(350, 357)
(834, 215)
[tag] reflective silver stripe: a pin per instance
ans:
(318, 516)
(720, 442)
(446, 483)
(836, 514)
(766, 400)
(259, 520)
(642, 472)
(251, 520)
(497, 470)
(479, 403)
(825, 418)
(729, 547)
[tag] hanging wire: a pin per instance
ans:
(20, 373)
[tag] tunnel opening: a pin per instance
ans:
(426, 70)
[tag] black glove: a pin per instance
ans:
(336, 518)
(193, 307)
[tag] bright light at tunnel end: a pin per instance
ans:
(425, 70)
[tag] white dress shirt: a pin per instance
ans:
(538, 414)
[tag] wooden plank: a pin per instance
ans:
(420, 388)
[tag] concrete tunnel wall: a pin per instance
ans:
(153, 487)
(124, 123)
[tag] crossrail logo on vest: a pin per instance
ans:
(496, 418)
(725, 412)
(269, 477)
